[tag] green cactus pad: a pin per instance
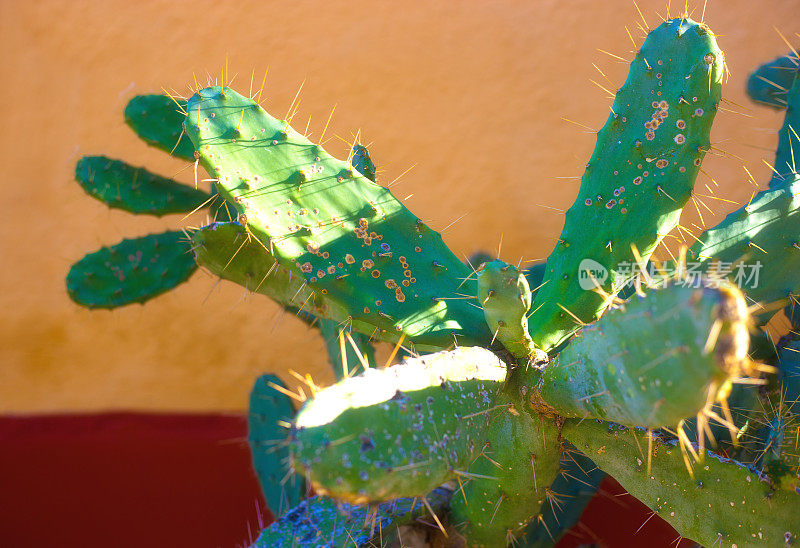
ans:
(132, 271)
(725, 503)
(504, 294)
(399, 431)
(322, 522)
(653, 363)
(158, 121)
(269, 447)
(638, 179)
(758, 247)
(769, 83)
(511, 479)
(135, 189)
(227, 251)
(352, 240)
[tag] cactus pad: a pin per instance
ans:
(504, 294)
(399, 431)
(158, 121)
(132, 271)
(322, 522)
(349, 237)
(754, 514)
(655, 362)
(269, 447)
(758, 246)
(638, 179)
(510, 481)
(135, 189)
(770, 82)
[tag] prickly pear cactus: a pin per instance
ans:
(640, 176)
(479, 429)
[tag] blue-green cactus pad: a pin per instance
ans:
(134, 189)
(269, 446)
(132, 271)
(158, 120)
(769, 83)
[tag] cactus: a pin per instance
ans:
(440, 406)
(494, 398)
(577, 482)
(327, 222)
(634, 383)
(132, 271)
(755, 514)
(320, 521)
(269, 407)
(770, 82)
(140, 269)
(135, 189)
(505, 296)
(640, 176)
(158, 121)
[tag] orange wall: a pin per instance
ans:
(471, 92)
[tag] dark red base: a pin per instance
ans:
(127, 480)
(141, 480)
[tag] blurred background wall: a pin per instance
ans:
(471, 93)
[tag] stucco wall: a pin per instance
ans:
(471, 92)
